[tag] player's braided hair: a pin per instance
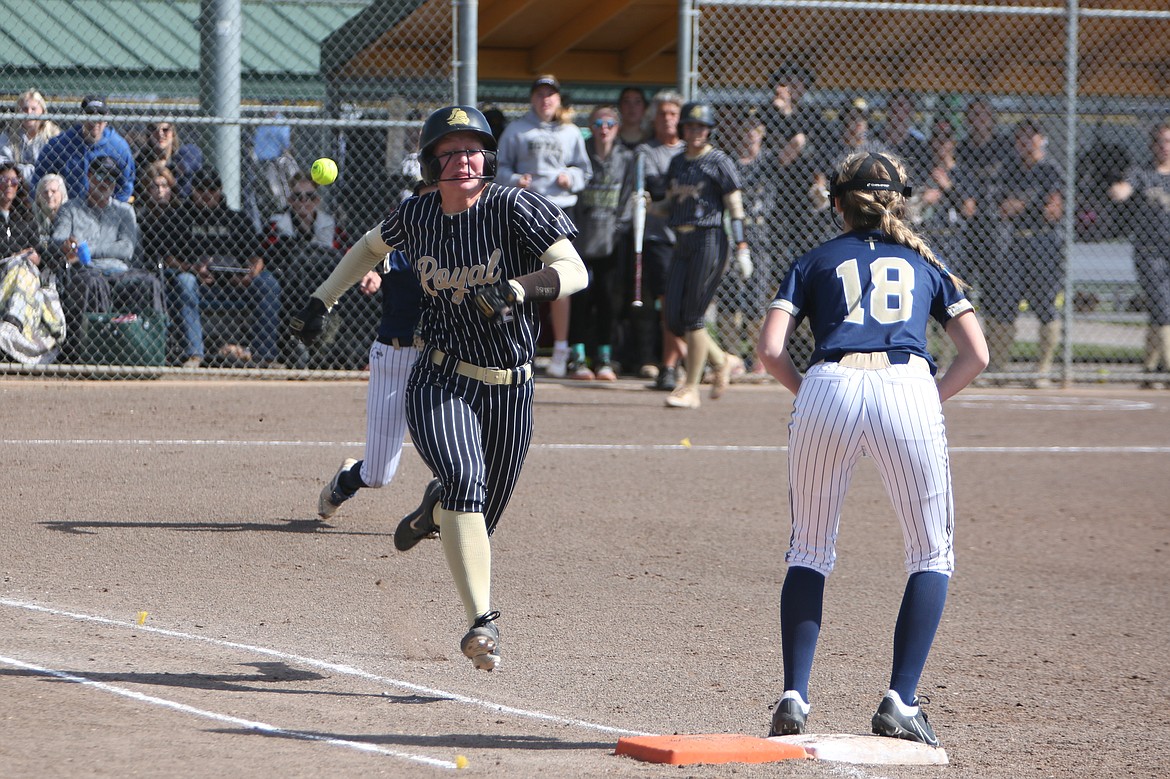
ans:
(883, 210)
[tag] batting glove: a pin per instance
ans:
(496, 301)
(743, 262)
(308, 323)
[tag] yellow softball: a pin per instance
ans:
(324, 171)
(460, 761)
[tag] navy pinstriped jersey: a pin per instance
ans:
(501, 236)
(695, 188)
(861, 292)
(401, 299)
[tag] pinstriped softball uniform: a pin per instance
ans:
(894, 416)
(694, 196)
(474, 436)
(385, 413)
(863, 293)
(501, 236)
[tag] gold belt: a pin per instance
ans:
(486, 375)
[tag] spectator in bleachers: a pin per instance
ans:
(1147, 219)
(19, 230)
(303, 243)
(218, 263)
(50, 196)
(154, 208)
(853, 136)
(30, 323)
(603, 216)
(658, 249)
(900, 136)
(71, 152)
(981, 155)
(163, 145)
(26, 138)
(939, 207)
(108, 228)
(632, 107)
(1030, 195)
(305, 221)
(544, 151)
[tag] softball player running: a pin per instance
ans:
(868, 295)
(392, 355)
(485, 256)
(701, 183)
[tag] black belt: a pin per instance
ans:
(685, 229)
(397, 343)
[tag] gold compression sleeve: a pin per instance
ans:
(357, 262)
(561, 257)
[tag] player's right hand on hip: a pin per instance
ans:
(308, 323)
(495, 302)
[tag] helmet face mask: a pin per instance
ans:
(447, 121)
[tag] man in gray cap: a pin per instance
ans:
(70, 153)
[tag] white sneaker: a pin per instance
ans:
(558, 366)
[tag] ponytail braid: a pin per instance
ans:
(884, 210)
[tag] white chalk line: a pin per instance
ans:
(732, 448)
(263, 727)
(336, 668)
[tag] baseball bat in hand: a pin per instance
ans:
(639, 225)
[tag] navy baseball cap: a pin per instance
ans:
(547, 80)
(92, 104)
(105, 168)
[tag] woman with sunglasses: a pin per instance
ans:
(163, 145)
(18, 230)
(603, 217)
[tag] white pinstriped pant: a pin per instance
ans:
(474, 436)
(386, 411)
(892, 415)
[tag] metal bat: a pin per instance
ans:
(639, 225)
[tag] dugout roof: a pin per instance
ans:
(928, 45)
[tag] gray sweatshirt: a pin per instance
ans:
(544, 150)
(111, 232)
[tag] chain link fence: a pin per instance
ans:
(1016, 125)
(162, 151)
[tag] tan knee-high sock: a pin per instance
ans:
(1157, 347)
(469, 557)
(1049, 340)
(697, 346)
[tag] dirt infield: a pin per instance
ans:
(638, 572)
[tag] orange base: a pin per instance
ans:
(709, 748)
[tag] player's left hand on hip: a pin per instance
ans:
(495, 302)
(743, 262)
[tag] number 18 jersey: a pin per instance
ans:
(862, 292)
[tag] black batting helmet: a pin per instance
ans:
(697, 113)
(454, 119)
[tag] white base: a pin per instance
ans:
(866, 750)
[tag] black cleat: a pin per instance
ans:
(420, 523)
(789, 717)
(481, 644)
(889, 721)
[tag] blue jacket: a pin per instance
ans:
(68, 155)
